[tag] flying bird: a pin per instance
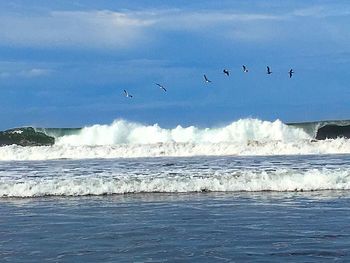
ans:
(226, 72)
(245, 69)
(206, 79)
(291, 73)
(127, 94)
(161, 86)
(268, 70)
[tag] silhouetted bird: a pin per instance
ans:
(268, 70)
(206, 79)
(291, 72)
(226, 72)
(161, 86)
(245, 69)
(127, 94)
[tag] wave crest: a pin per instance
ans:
(124, 132)
(279, 180)
(123, 139)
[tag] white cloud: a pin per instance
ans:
(321, 11)
(200, 20)
(130, 29)
(108, 29)
(16, 71)
(34, 72)
(78, 29)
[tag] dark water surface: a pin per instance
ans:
(188, 227)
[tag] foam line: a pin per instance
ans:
(248, 180)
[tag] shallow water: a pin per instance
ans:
(196, 227)
(198, 209)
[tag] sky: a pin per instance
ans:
(65, 63)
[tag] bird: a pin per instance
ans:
(268, 70)
(245, 69)
(226, 72)
(206, 79)
(127, 94)
(161, 86)
(291, 73)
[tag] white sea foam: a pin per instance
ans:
(17, 132)
(123, 132)
(124, 139)
(13, 152)
(279, 180)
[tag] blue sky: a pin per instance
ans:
(66, 63)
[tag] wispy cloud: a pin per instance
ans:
(81, 29)
(35, 72)
(320, 11)
(25, 73)
(128, 29)
(109, 29)
(201, 20)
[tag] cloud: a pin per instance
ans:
(204, 19)
(132, 29)
(25, 73)
(105, 29)
(321, 11)
(109, 29)
(34, 72)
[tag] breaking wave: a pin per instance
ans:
(279, 180)
(123, 132)
(123, 139)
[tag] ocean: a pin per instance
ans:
(250, 191)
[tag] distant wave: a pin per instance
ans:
(253, 180)
(123, 139)
(241, 131)
(121, 131)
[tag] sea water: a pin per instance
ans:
(249, 191)
(176, 209)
